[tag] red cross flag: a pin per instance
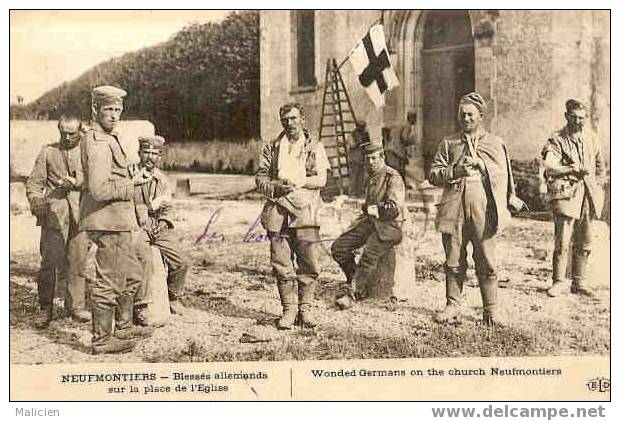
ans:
(371, 62)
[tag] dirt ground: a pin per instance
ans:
(233, 303)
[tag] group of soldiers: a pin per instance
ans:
(97, 207)
(473, 168)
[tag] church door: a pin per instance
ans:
(447, 74)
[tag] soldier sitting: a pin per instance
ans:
(152, 202)
(378, 229)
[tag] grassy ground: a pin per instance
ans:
(232, 304)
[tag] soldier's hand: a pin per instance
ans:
(575, 168)
(142, 177)
(132, 170)
(461, 170)
(373, 210)
(281, 189)
(516, 204)
(388, 210)
(68, 183)
(161, 202)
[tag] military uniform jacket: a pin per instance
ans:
(302, 211)
(107, 202)
(145, 194)
(567, 192)
(53, 164)
(451, 152)
(385, 186)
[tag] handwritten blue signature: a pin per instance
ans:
(252, 235)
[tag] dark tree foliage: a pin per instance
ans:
(201, 84)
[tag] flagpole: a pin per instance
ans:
(380, 20)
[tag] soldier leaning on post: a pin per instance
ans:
(292, 169)
(474, 170)
(107, 215)
(53, 190)
(574, 169)
(153, 206)
(378, 229)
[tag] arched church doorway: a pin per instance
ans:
(447, 55)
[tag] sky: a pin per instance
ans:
(54, 46)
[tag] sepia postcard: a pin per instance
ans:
(310, 205)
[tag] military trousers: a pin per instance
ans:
(363, 234)
(176, 265)
(118, 271)
(568, 229)
(81, 271)
(475, 229)
(294, 254)
(54, 265)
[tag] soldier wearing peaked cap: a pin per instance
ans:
(575, 171)
(378, 229)
(153, 207)
(107, 215)
(474, 170)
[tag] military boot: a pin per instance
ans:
(286, 288)
(579, 271)
(103, 340)
(306, 299)
(125, 329)
(451, 314)
(176, 284)
(44, 316)
(488, 290)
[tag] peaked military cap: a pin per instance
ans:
(371, 147)
(107, 94)
(151, 143)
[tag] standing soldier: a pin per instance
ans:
(378, 229)
(107, 214)
(152, 201)
(474, 170)
(291, 172)
(401, 139)
(53, 190)
(574, 169)
(356, 159)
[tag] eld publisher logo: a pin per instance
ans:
(600, 384)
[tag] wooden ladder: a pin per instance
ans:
(337, 124)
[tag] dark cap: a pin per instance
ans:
(575, 104)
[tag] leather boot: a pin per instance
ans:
(176, 284)
(306, 298)
(125, 329)
(451, 314)
(579, 272)
(176, 281)
(103, 340)
(286, 288)
(44, 317)
(488, 290)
